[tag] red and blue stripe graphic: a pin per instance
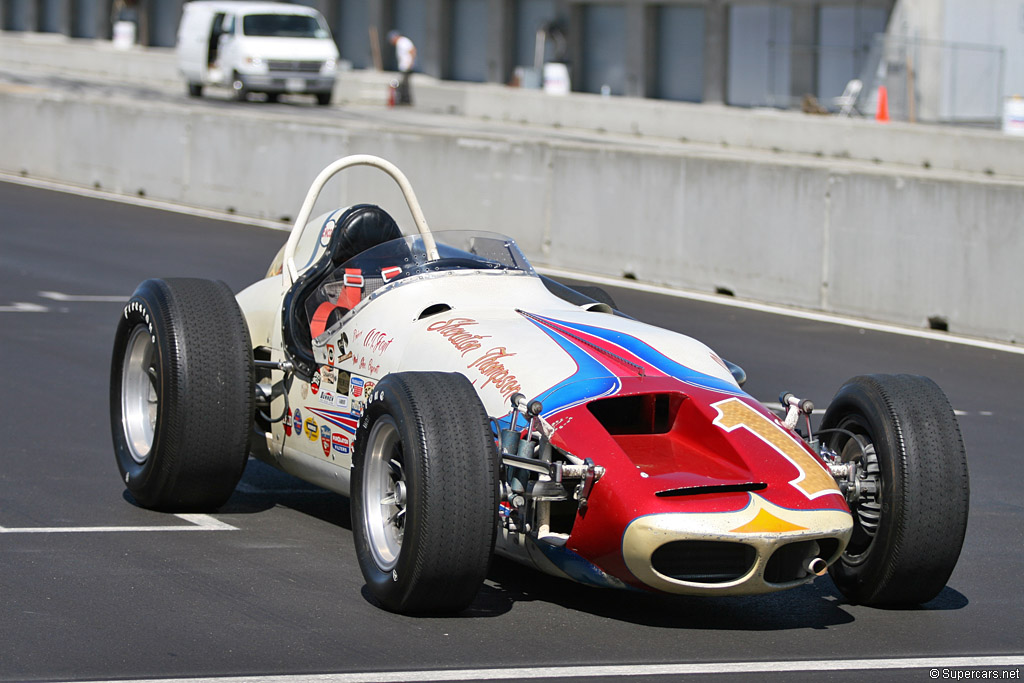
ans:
(345, 421)
(602, 356)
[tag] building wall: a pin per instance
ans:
(741, 52)
(955, 60)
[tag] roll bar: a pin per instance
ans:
(327, 174)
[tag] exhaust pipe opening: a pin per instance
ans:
(816, 566)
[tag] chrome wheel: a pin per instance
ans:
(140, 402)
(384, 493)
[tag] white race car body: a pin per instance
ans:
(468, 405)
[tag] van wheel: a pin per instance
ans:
(238, 88)
(273, 97)
(195, 90)
(323, 98)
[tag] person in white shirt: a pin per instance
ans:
(405, 52)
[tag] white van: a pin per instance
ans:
(266, 47)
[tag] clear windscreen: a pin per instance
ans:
(404, 258)
(283, 26)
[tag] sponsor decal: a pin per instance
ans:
(344, 378)
(288, 423)
(340, 443)
(330, 354)
(357, 385)
(311, 429)
(328, 375)
(315, 384)
(325, 440)
(326, 397)
(297, 425)
(343, 353)
(368, 386)
(326, 233)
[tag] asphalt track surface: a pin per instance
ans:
(267, 588)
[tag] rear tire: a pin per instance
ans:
(181, 394)
(195, 90)
(907, 539)
(323, 98)
(424, 493)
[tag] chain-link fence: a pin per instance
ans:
(934, 81)
(927, 81)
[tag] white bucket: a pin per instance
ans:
(124, 35)
(1013, 115)
(556, 78)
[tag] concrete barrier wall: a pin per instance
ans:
(897, 247)
(909, 146)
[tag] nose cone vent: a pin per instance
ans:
(703, 561)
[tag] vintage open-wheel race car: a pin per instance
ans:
(468, 405)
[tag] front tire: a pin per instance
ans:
(181, 394)
(238, 90)
(323, 98)
(907, 536)
(424, 493)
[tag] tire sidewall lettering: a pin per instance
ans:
(137, 312)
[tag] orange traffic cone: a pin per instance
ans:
(882, 113)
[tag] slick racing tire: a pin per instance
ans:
(907, 536)
(424, 493)
(181, 394)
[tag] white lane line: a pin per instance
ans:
(60, 296)
(618, 670)
(774, 309)
(22, 307)
(197, 522)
